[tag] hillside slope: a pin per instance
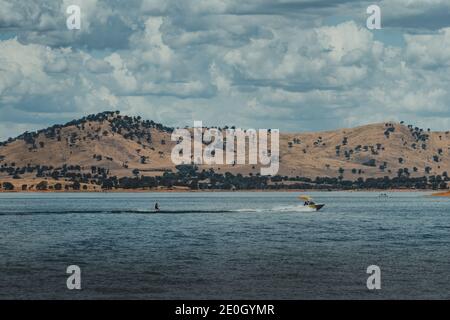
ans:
(109, 144)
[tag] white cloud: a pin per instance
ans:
(285, 64)
(429, 51)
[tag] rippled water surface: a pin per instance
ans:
(249, 245)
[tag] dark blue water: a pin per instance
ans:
(224, 246)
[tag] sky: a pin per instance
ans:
(294, 65)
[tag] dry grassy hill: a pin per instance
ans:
(374, 150)
(108, 140)
(118, 145)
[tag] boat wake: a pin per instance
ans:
(124, 211)
(299, 208)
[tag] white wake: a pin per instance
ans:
(293, 208)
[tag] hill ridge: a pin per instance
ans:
(108, 145)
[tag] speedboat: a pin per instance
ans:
(316, 206)
(310, 203)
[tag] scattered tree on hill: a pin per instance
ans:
(43, 185)
(8, 186)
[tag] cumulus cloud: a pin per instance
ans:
(293, 65)
(39, 80)
(98, 66)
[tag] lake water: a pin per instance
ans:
(246, 245)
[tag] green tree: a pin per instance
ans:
(43, 185)
(8, 186)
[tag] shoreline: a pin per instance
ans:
(442, 194)
(436, 193)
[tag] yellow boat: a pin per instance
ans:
(311, 204)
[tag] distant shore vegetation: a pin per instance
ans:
(190, 177)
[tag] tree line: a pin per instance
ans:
(191, 177)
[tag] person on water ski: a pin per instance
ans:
(156, 206)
